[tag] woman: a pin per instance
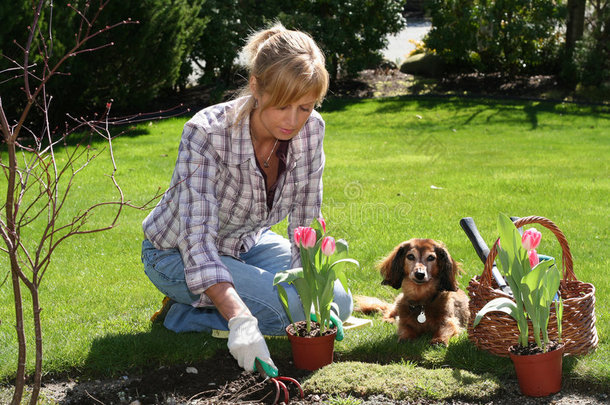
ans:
(242, 167)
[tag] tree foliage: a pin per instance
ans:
(509, 36)
(228, 24)
(170, 37)
(134, 70)
(351, 33)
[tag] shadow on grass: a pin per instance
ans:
(94, 139)
(460, 353)
(494, 106)
(113, 355)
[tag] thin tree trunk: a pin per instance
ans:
(38, 334)
(21, 358)
(15, 270)
(575, 24)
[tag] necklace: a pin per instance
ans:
(266, 162)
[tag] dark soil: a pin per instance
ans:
(220, 380)
(392, 82)
(314, 330)
(532, 348)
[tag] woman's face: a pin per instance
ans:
(283, 122)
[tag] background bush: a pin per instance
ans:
(158, 54)
(509, 36)
(229, 22)
(145, 60)
(352, 34)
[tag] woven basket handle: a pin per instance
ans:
(567, 264)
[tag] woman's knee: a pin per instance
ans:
(165, 270)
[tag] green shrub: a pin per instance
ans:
(351, 33)
(228, 23)
(145, 58)
(453, 35)
(509, 36)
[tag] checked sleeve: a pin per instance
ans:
(187, 216)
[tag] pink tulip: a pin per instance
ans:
(328, 246)
(323, 223)
(297, 235)
(531, 239)
(533, 255)
(309, 238)
(305, 236)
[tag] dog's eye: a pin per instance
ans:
(431, 258)
(410, 256)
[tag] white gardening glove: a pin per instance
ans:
(246, 342)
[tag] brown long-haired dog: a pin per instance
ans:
(430, 301)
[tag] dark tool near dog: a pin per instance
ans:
(267, 371)
(482, 250)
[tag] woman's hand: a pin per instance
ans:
(245, 339)
(246, 342)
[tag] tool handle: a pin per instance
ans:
(264, 368)
(475, 237)
(482, 250)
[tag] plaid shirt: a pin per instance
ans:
(216, 202)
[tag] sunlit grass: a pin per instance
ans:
(396, 169)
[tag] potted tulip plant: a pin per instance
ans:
(535, 287)
(322, 261)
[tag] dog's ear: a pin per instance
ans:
(392, 268)
(447, 269)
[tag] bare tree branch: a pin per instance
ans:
(39, 186)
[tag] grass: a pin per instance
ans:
(423, 384)
(396, 168)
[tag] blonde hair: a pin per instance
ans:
(286, 64)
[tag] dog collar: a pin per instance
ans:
(421, 318)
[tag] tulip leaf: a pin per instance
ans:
(559, 313)
(304, 291)
(288, 276)
(284, 300)
(341, 247)
(533, 289)
(501, 304)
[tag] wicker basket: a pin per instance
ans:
(498, 331)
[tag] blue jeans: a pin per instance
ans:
(253, 280)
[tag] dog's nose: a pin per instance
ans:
(420, 275)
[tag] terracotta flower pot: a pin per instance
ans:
(539, 375)
(311, 353)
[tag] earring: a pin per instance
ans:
(255, 104)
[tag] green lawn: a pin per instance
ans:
(396, 168)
